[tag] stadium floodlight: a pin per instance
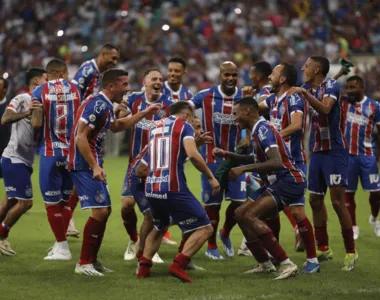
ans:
(5, 75)
(84, 48)
(165, 27)
(60, 32)
(237, 11)
(124, 13)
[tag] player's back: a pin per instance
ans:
(361, 119)
(327, 131)
(87, 78)
(166, 155)
(218, 119)
(61, 100)
(182, 94)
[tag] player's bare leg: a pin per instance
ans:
(224, 233)
(307, 235)
(192, 245)
(61, 249)
(129, 217)
(190, 265)
(11, 218)
(5, 206)
(74, 199)
(349, 199)
(374, 200)
(249, 217)
(92, 239)
(298, 245)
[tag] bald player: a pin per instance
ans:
(216, 104)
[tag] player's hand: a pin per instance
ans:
(33, 106)
(122, 106)
(214, 185)
(234, 173)
(204, 138)
(152, 109)
(99, 174)
(295, 90)
(248, 91)
(217, 152)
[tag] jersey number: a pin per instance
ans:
(159, 152)
(60, 121)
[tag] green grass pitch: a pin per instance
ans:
(28, 276)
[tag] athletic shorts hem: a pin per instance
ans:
(350, 191)
(87, 207)
(317, 193)
(22, 199)
(211, 204)
(193, 229)
(54, 202)
(377, 190)
(295, 204)
(235, 200)
(143, 212)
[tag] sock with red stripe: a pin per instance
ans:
(213, 214)
(349, 199)
(130, 223)
(321, 237)
(56, 222)
(73, 201)
(270, 243)
(374, 201)
(290, 217)
(230, 220)
(348, 238)
(66, 213)
(92, 231)
(275, 225)
(307, 235)
(258, 251)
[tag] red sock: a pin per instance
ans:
(258, 251)
(213, 214)
(180, 248)
(4, 231)
(349, 199)
(73, 201)
(144, 267)
(92, 231)
(181, 260)
(307, 235)
(270, 243)
(130, 223)
(66, 213)
(321, 237)
(140, 253)
(99, 240)
(56, 222)
(275, 225)
(374, 201)
(348, 238)
(167, 235)
(230, 220)
(290, 217)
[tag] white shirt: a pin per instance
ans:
(21, 146)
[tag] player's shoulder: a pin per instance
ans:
(330, 83)
(38, 90)
(23, 97)
(206, 91)
(135, 96)
(262, 129)
(88, 67)
(295, 99)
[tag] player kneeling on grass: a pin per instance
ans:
(284, 185)
(94, 118)
(171, 142)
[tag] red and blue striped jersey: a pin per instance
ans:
(264, 137)
(96, 112)
(133, 167)
(61, 100)
(218, 119)
(361, 119)
(140, 132)
(166, 155)
(327, 131)
(280, 112)
(87, 78)
(263, 93)
(182, 94)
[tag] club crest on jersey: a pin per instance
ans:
(87, 71)
(81, 80)
(99, 197)
(99, 106)
(92, 118)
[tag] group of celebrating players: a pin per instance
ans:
(259, 165)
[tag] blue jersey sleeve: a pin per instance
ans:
(332, 89)
(376, 118)
(266, 137)
(188, 131)
(83, 77)
(37, 94)
(198, 99)
(295, 103)
(268, 100)
(94, 112)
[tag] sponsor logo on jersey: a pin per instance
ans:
(144, 124)
(83, 198)
(10, 189)
(61, 97)
(157, 196)
(61, 146)
(52, 193)
(188, 221)
(87, 71)
(67, 192)
(223, 118)
(262, 133)
(99, 106)
(60, 163)
(157, 179)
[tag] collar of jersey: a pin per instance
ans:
(55, 80)
(257, 123)
(105, 97)
(281, 97)
(148, 102)
(170, 89)
(362, 101)
(95, 64)
(224, 95)
(4, 100)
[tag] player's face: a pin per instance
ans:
(276, 79)
(3, 90)
(228, 77)
(354, 91)
(241, 116)
(175, 73)
(40, 80)
(255, 77)
(153, 83)
(309, 70)
(110, 59)
(119, 89)
(197, 126)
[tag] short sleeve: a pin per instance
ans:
(268, 101)
(37, 94)
(197, 100)
(376, 118)
(94, 112)
(332, 89)
(83, 77)
(267, 138)
(296, 104)
(188, 131)
(130, 103)
(16, 104)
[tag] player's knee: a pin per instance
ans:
(240, 214)
(338, 203)
(26, 205)
(207, 231)
(316, 202)
(298, 213)
(128, 203)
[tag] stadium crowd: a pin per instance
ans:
(203, 32)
